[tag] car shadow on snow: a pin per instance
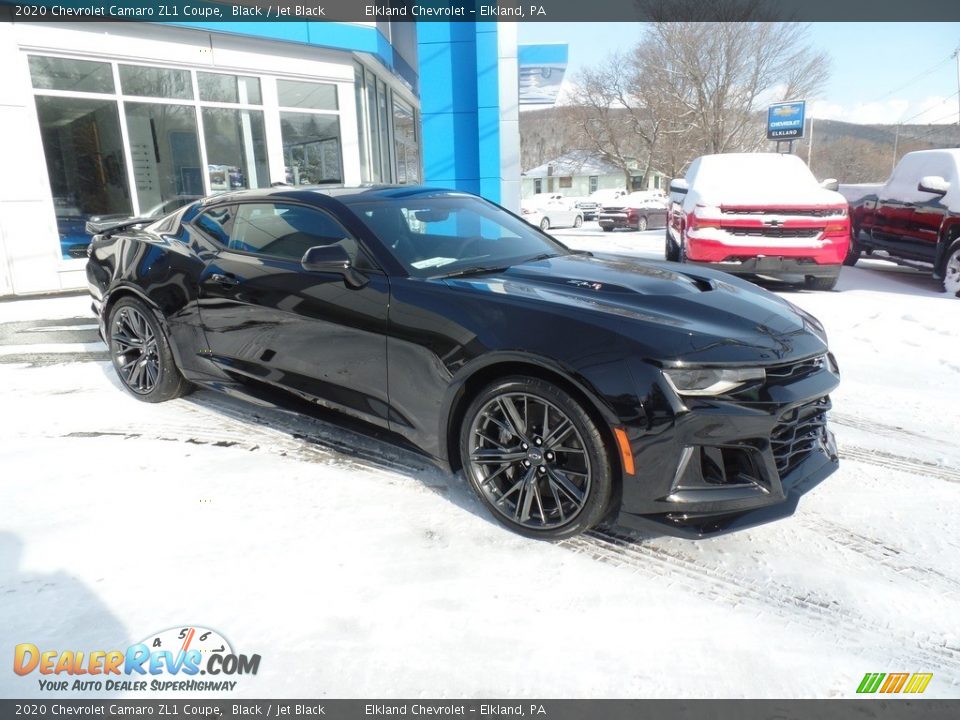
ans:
(328, 436)
(49, 610)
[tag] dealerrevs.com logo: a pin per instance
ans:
(170, 660)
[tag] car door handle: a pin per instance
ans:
(226, 280)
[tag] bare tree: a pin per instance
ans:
(691, 88)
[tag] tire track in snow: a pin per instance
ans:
(910, 465)
(820, 614)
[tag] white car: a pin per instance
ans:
(548, 210)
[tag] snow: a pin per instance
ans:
(355, 568)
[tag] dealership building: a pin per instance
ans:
(133, 119)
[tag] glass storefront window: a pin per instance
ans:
(156, 82)
(216, 87)
(50, 73)
(166, 155)
(84, 153)
(384, 112)
(308, 95)
(311, 148)
(361, 124)
(407, 143)
(236, 149)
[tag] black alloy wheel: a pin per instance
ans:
(141, 353)
(536, 459)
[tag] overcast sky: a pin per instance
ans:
(874, 71)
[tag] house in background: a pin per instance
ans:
(579, 173)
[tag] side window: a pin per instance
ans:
(217, 222)
(286, 231)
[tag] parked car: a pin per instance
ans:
(636, 211)
(759, 214)
(589, 208)
(913, 218)
(690, 401)
(549, 210)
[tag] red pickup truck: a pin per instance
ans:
(759, 214)
(913, 218)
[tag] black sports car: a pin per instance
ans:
(570, 387)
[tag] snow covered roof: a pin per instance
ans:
(576, 162)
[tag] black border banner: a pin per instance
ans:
(480, 10)
(875, 709)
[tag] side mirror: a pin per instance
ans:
(679, 186)
(933, 184)
(333, 259)
(830, 184)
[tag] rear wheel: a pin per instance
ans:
(578, 221)
(670, 250)
(141, 353)
(951, 271)
(853, 252)
(822, 283)
(608, 228)
(545, 224)
(536, 459)
(642, 223)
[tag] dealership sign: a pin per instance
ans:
(785, 121)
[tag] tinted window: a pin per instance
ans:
(217, 223)
(286, 231)
(298, 94)
(448, 233)
(155, 82)
(48, 73)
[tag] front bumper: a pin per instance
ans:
(787, 269)
(710, 465)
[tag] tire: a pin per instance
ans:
(642, 223)
(822, 283)
(578, 221)
(682, 251)
(670, 250)
(545, 224)
(533, 481)
(854, 251)
(141, 353)
(951, 270)
(607, 229)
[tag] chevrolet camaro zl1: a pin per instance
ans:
(572, 388)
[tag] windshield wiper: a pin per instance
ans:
(475, 271)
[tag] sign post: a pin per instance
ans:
(785, 122)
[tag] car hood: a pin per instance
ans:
(771, 196)
(675, 312)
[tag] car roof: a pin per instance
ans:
(344, 193)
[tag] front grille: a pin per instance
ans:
(776, 232)
(794, 371)
(798, 434)
(806, 212)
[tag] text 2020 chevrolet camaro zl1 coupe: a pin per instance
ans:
(571, 388)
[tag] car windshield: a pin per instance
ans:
(451, 234)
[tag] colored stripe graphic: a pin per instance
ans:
(870, 682)
(918, 683)
(894, 682)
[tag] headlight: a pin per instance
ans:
(710, 381)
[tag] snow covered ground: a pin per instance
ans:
(355, 568)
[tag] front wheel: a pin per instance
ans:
(141, 353)
(578, 221)
(853, 252)
(536, 459)
(670, 250)
(608, 228)
(822, 283)
(951, 271)
(545, 224)
(642, 223)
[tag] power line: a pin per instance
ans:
(915, 78)
(950, 97)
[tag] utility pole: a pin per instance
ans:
(896, 141)
(810, 145)
(956, 56)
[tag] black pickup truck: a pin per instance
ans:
(913, 218)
